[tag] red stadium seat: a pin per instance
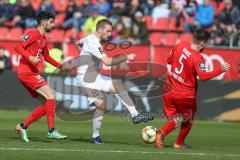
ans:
(189, 20)
(80, 34)
(79, 3)
(60, 5)
(156, 38)
(36, 4)
(15, 34)
(172, 25)
(70, 50)
(149, 21)
(56, 35)
(27, 30)
(187, 37)
(67, 34)
(9, 24)
(162, 24)
(60, 18)
(170, 39)
(3, 32)
(217, 7)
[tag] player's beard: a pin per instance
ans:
(48, 30)
(201, 50)
(107, 39)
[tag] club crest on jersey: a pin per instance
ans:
(101, 50)
(25, 38)
(202, 66)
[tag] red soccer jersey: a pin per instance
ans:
(33, 44)
(186, 65)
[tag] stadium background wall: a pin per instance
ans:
(216, 99)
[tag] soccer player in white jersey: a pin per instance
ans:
(94, 85)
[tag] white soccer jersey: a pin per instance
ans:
(90, 56)
(91, 82)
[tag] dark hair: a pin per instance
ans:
(102, 23)
(44, 16)
(200, 35)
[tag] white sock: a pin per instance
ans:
(97, 122)
(127, 102)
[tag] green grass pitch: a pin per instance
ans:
(210, 140)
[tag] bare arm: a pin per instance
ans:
(117, 59)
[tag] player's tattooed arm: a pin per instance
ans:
(117, 59)
(225, 67)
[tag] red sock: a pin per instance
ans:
(50, 112)
(168, 127)
(185, 128)
(35, 115)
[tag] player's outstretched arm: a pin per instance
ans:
(52, 61)
(64, 67)
(203, 75)
(111, 61)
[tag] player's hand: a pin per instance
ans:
(79, 45)
(225, 67)
(66, 68)
(131, 57)
(34, 59)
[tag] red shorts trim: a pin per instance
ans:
(32, 81)
(173, 106)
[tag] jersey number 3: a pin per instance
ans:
(179, 70)
(39, 78)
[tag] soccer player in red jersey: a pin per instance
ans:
(179, 101)
(34, 50)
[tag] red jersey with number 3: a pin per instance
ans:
(36, 45)
(186, 65)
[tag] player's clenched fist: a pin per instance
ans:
(34, 59)
(225, 67)
(131, 57)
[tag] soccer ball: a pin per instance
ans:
(149, 134)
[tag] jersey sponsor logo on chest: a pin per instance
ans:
(101, 50)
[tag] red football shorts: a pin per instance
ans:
(32, 81)
(173, 106)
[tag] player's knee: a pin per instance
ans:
(100, 104)
(119, 86)
(46, 92)
(50, 96)
(178, 119)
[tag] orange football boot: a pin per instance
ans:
(159, 140)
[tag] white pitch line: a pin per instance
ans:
(116, 151)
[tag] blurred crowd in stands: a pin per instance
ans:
(160, 22)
